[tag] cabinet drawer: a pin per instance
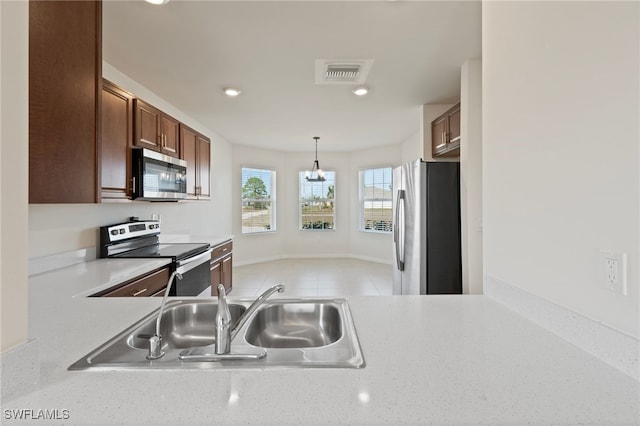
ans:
(221, 250)
(148, 285)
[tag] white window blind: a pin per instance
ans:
(258, 200)
(376, 198)
(317, 203)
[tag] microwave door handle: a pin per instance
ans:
(133, 184)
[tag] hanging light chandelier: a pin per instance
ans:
(316, 174)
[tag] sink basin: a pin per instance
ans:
(183, 326)
(293, 333)
(295, 325)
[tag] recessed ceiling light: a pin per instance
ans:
(360, 91)
(230, 91)
(157, 2)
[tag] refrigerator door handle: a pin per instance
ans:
(398, 230)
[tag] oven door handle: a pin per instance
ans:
(186, 265)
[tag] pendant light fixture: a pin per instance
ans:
(316, 174)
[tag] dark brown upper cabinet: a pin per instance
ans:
(65, 85)
(196, 151)
(155, 130)
(117, 141)
(445, 134)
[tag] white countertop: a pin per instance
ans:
(430, 360)
(183, 238)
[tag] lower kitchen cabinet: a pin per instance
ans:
(151, 284)
(221, 267)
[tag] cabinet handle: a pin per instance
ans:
(139, 292)
(133, 184)
(445, 137)
(225, 249)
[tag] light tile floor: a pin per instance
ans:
(313, 277)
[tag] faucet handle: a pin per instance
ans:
(222, 293)
(223, 316)
(223, 323)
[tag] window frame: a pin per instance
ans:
(301, 175)
(362, 199)
(272, 200)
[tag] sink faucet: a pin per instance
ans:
(155, 341)
(224, 333)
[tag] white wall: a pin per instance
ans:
(289, 241)
(560, 159)
(370, 245)
(471, 175)
(14, 113)
(67, 227)
(267, 245)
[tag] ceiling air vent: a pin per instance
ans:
(342, 71)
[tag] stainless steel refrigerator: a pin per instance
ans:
(426, 228)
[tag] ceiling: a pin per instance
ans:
(188, 51)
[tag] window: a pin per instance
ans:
(376, 198)
(258, 200)
(317, 202)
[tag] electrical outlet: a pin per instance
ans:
(613, 271)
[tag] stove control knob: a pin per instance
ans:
(114, 232)
(122, 231)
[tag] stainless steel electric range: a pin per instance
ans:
(141, 239)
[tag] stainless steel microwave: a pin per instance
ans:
(158, 177)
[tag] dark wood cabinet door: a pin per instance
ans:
(445, 134)
(222, 267)
(189, 144)
(453, 133)
(117, 137)
(227, 275)
(195, 149)
(65, 79)
(438, 131)
(145, 286)
(170, 131)
(147, 126)
(216, 276)
(204, 167)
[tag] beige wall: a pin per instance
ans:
(346, 239)
(14, 112)
(471, 175)
(561, 152)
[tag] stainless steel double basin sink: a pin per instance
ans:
(292, 332)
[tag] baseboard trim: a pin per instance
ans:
(310, 256)
(617, 349)
(20, 368)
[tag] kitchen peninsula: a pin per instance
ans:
(429, 360)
